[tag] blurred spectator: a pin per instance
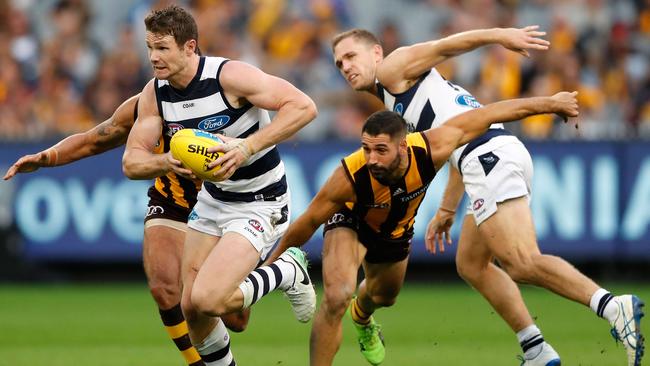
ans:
(390, 36)
(78, 55)
(57, 79)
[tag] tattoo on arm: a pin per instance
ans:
(104, 129)
(108, 134)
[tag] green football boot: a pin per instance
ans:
(371, 341)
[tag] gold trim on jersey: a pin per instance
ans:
(183, 191)
(390, 210)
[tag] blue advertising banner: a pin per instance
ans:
(591, 201)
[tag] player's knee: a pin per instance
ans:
(207, 302)
(521, 270)
(336, 301)
(465, 270)
(165, 293)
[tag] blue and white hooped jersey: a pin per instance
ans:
(203, 105)
(430, 102)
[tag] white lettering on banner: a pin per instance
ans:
(637, 216)
(45, 195)
(575, 198)
(129, 207)
(604, 210)
(558, 197)
(45, 207)
(89, 210)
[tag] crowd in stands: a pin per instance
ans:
(58, 77)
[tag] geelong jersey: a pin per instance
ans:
(390, 210)
(202, 105)
(430, 102)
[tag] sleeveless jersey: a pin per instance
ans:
(175, 188)
(390, 210)
(203, 105)
(430, 102)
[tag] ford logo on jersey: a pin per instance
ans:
(468, 100)
(214, 123)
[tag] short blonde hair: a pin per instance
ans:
(357, 33)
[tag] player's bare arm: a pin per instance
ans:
(139, 160)
(106, 136)
(330, 199)
(469, 125)
(439, 228)
(405, 65)
(244, 83)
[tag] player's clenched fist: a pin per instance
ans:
(566, 104)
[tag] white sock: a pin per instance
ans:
(531, 340)
(215, 348)
(601, 303)
(279, 274)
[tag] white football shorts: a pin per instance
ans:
(499, 170)
(261, 222)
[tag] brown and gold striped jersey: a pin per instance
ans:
(390, 210)
(181, 191)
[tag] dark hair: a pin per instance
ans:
(174, 21)
(357, 33)
(385, 122)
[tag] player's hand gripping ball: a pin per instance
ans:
(190, 146)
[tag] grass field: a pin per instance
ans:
(429, 325)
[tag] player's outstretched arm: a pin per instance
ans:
(439, 228)
(330, 199)
(103, 137)
(139, 160)
(250, 84)
(469, 125)
(409, 63)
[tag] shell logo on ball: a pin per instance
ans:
(190, 146)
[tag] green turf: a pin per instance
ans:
(429, 325)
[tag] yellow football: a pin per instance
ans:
(190, 146)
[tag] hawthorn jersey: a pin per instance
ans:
(181, 191)
(202, 105)
(390, 210)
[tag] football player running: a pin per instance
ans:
(496, 172)
(375, 195)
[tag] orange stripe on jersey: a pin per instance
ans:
(160, 187)
(391, 210)
(182, 191)
(178, 193)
